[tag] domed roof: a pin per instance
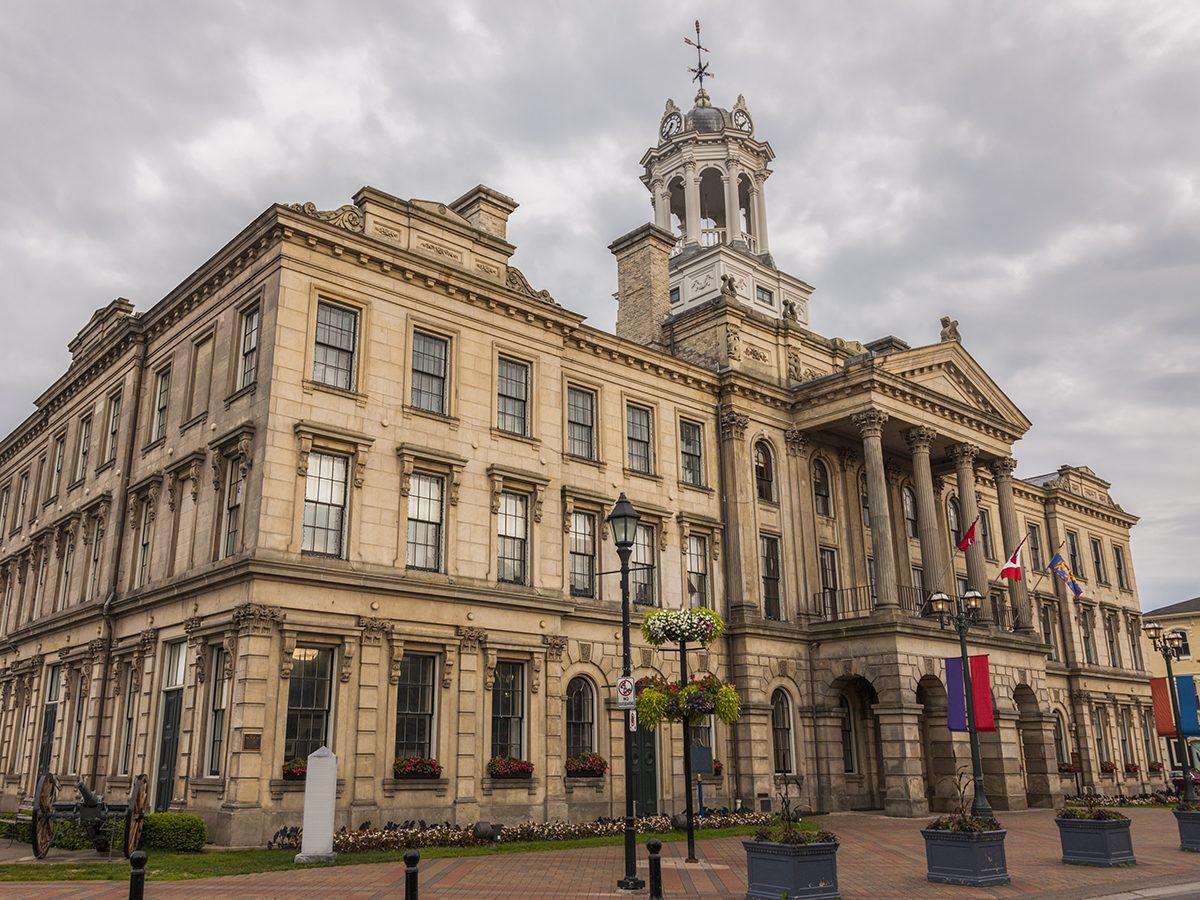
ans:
(705, 117)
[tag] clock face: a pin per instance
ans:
(671, 126)
(741, 119)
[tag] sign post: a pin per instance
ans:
(625, 697)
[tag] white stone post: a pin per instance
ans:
(320, 793)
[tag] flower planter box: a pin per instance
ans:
(790, 870)
(294, 776)
(1091, 842)
(513, 777)
(1189, 829)
(965, 857)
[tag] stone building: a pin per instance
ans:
(346, 484)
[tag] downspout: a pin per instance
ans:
(118, 552)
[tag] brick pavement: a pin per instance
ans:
(880, 857)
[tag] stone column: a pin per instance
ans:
(662, 204)
(1018, 592)
(1001, 756)
(936, 567)
(371, 753)
(691, 202)
(472, 745)
(1041, 768)
(964, 468)
(871, 424)
(740, 538)
(903, 773)
(555, 739)
(761, 224)
(733, 218)
(830, 772)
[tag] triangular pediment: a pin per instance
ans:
(948, 370)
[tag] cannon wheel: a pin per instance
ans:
(135, 815)
(42, 832)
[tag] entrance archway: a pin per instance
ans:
(938, 759)
(862, 750)
(1038, 753)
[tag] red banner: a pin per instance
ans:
(981, 694)
(1164, 722)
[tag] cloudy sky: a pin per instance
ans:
(1030, 168)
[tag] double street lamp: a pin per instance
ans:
(623, 519)
(961, 613)
(1170, 645)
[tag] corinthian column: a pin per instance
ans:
(871, 425)
(662, 204)
(1018, 594)
(733, 216)
(935, 565)
(691, 203)
(964, 468)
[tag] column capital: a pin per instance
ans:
(848, 458)
(920, 437)
(733, 423)
(1003, 467)
(870, 422)
(894, 471)
(797, 441)
(964, 454)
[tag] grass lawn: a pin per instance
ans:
(208, 863)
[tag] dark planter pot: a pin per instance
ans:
(413, 776)
(958, 857)
(515, 776)
(790, 870)
(583, 773)
(1189, 830)
(294, 776)
(1087, 842)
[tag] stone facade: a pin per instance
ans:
(346, 484)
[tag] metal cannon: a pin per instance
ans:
(101, 821)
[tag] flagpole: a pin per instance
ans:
(1042, 574)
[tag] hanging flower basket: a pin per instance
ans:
(671, 626)
(659, 699)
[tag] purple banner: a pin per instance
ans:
(956, 697)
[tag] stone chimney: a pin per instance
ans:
(486, 209)
(643, 283)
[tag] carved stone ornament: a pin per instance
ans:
(395, 656)
(447, 670)
(1003, 467)
(733, 341)
(733, 423)
(870, 422)
(348, 216)
(585, 651)
(470, 637)
(347, 665)
(535, 676)
(647, 657)
(147, 641)
(716, 545)
(555, 645)
(257, 617)
(795, 366)
(950, 330)
(796, 441)
(516, 281)
(287, 650)
(920, 437)
(201, 665)
(729, 289)
(229, 642)
(489, 670)
(191, 626)
(964, 454)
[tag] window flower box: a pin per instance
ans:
(295, 770)
(1132, 769)
(1108, 767)
(1156, 767)
(586, 765)
(1068, 769)
(508, 767)
(407, 768)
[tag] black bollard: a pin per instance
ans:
(654, 847)
(137, 874)
(411, 858)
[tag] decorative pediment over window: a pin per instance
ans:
(146, 492)
(705, 525)
(581, 499)
(312, 435)
(184, 471)
(413, 457)
(232, 447)
(503, 478)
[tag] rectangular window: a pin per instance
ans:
(309, 697)
(1087, 630)
(642, 569)
(1110, 639)
(581, 423)
(764, 296)
(93, 578)
(113, 435)
(985, 529)
(218, 702)
(697, 570)
(4, 495)
(430, 354)
(1118, 562)
(424, 523)
(1135, 643)
(1073, 552)
(674, 295)
(583, 554)
(768, 546)
(176, 662)
(512, 396)
(324, 528)
(873, 581)
(60, 449)
(961, 584)
(335, 348)
(1048, 631)
(49, 716)
(127, 724)
(248, 365)
(414, 706)
(22, 500)
(829, 573)
(145, 526)
(85, 448)
(918, 580)
(691, 456)
(1035, 548)
(637, 438)
(231, 529)
(508, 710)
(1098, 561)
(64, 574)
(39, 586)
(76, 724)
(513, 538)
(162, 398)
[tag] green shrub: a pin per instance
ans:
(174, 831)
(67, 835)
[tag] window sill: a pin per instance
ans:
(157, 442)
(195, 420)
(586, 460)
(107, 464)
(699, 488)
(450, 420)
(241, 392)
(773, 504)
(512, 435)
(78, 482)
(356, 396)
(530, 785)
(392, 786)
(279, 786)
(634, 473)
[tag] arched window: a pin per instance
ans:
(581, 716)
(910, 512)
(954, 518)
(864, 500)
(781, 731)
(849, 757)
(764, 472)
(1060, 739)
(821, 498)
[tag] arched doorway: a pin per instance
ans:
(862, 750)
(713, 224)
(939, 762)
(1039, 765)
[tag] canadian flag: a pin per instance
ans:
(969, 538)
(1012, 568)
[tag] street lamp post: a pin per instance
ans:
(623, 520)
(1170, 645)
(962, 613)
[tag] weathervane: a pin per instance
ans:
(701, 71)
